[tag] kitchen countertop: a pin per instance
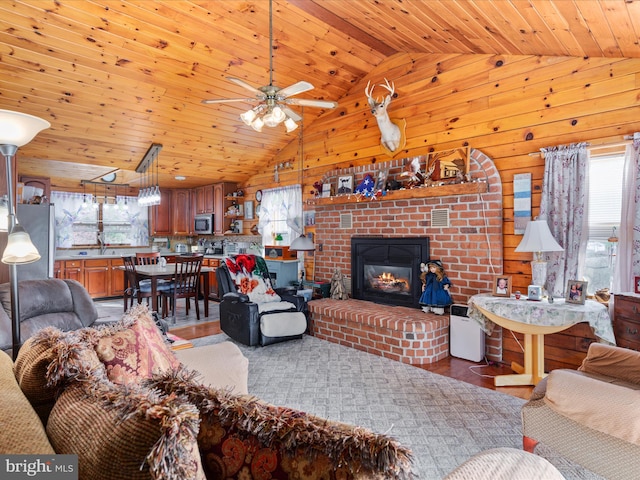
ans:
(119, 255)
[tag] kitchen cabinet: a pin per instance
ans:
(220, 204)
(182, 219)
(97, 275)
(116, 283)
(204, 199)
(58, 269)
(284, 271)
(74, 270)
(161, 215)
(626, 320)
(214, 263)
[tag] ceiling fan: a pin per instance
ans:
(273, 107)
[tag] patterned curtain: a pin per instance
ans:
(69, 209)
(628, 255)
(564, 204)
(281, 212)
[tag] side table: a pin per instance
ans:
(535, 320)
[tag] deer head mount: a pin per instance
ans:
(391, 131)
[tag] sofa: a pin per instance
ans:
(52, 302)
(590, 415)
(119, 398)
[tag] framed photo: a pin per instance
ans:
(248, 209)
(345, 185)
(381, 181)
(576, 292)
(448, 164)
(502, 286)
(326, 190)
(636, 282)
(309, 217)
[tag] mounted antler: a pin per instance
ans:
(389, 132)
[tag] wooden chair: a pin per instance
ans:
(186, 284)
(147, 258)
(137, 289)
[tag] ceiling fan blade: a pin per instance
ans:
(290, 113)
(244, 84)
(295, 89)
(303, 102)
(229, 100)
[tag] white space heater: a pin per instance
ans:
(466, 338)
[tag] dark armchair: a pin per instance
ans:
(251, 311)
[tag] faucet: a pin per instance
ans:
(103, 246)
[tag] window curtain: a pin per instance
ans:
(564, 204)
(69, 209)
(627, 264)
(281, 212)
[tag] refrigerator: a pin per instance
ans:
(39, 222)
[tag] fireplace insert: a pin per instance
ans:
(387, 270)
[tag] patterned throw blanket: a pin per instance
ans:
(251, 276)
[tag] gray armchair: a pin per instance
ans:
(52, 302)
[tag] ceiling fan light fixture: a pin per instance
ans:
(257, 124)
(290, 124)
(248, 117)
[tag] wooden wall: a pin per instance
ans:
(508, 107)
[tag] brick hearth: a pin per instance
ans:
(407, 335)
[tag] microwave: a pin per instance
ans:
(203, 224)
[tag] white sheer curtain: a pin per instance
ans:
(281, 212)
(564, 204)
(627, 263)
(69, 209)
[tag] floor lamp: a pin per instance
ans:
(16, 129)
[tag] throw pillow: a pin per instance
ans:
(242, 437)
(250, 274)
(134, 348)
(126, 432)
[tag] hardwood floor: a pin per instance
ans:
(463, 370)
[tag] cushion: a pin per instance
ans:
(125, 432)
(601, 406)
(283, 324)
(134, 348)
(612, 361)
(242, 437)
(251, 277)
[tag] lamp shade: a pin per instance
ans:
(19, 128)
(303, 244)
(19, 249)
(537, 238)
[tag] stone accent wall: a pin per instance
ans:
(470, 248)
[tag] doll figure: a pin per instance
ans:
(435, 289)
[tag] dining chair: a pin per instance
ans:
(186, 284)
(147, 258)
(137, 289)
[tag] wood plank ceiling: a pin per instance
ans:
(113, 77)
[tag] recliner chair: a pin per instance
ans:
(251, 311)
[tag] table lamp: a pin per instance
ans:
(538, 239)
(16, 129)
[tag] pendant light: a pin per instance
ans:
(302, 243)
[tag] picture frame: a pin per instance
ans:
(636, 282)
(381, 181)
(344, 185)
(309, 217)
(248, 209)
(502, 286)
(576, 292)
(448, 164)
(326, 190)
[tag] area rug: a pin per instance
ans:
(443, 420)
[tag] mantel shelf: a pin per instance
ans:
(418, 192)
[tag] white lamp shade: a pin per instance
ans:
(290, 124)
(303, 244)
(20, 249)
(537, 238)
(248, 117)
(19, 128)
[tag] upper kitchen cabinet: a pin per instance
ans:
(204, 199)
(220, 203)
(182, 217)
(161, 221)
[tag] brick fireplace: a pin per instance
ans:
(469, 244)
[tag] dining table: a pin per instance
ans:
(167, 272)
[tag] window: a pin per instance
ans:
(83, 222)
(605, 207)
(281, 215)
